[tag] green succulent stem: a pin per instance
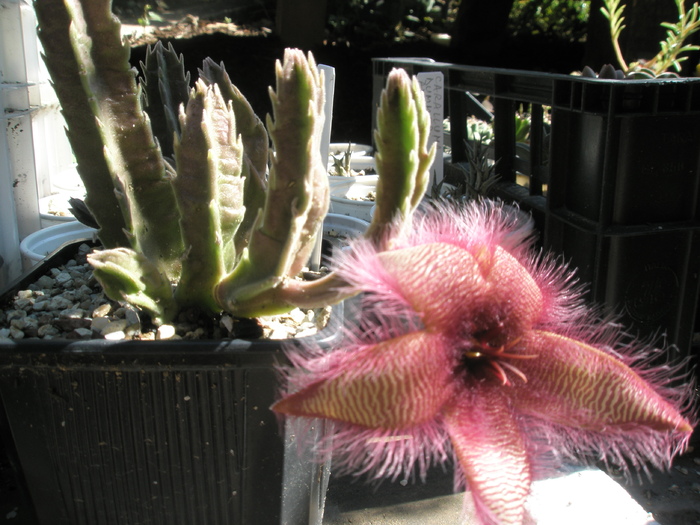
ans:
(165, 86)
(209, 192)
(82, 128)
(403, 160)
(225, 222)
(255, 146)
(129, 276)
(298, 194)
(134, 159)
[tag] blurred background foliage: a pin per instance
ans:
(406, 19)
(359, 20)
(545, 35)
(564, 19)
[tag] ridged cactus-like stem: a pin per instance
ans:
(298, 177)
(134, 159)
(224, 224)
(209, 191)
(82, 129)
(403, 162)
(249, 126)
(165, 87)
(403, 159)
(255, 147)
(131, 277)
(297, 198)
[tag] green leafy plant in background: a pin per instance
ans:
(565, 19)
(341, 163)
(472, 181)
(148, 16)
(669, 56)
(361, 22)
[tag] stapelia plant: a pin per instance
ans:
(189, 213)
(471, 346)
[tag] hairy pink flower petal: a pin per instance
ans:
(421, 273)
(581, 386)
(467, 336)
(492, 453)
(379, 390)
(489, 289)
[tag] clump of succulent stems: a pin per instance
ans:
(199, 204)
(669, 56)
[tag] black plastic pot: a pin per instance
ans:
(169, 433)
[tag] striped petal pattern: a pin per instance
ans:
(492, 454)
(379, 390)
(581, 386)
(466, 337)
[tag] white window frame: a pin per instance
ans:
(33, 146)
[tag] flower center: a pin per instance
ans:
(482, 359)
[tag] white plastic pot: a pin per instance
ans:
(54, 210)
(337, 226)
(361, 157)
(338, 230)
(351, 199)
(356, 150)
(68, 181)
(38, 245)
(336, 180)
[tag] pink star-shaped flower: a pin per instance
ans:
(471, 345)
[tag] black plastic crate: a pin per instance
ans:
(648, 275)
(626, 152)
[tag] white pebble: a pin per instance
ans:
(45, 282)
(115, 336)
(99, 323)
(59, 303)
(40, 306)
(47, 330)
(72, 313)
(63, 277)
(115, 326)
(227, 323)
(102, 310)
(165, 331)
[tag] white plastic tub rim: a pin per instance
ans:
(338, 230)
(55, 209)
(348, 199)
(358, 164)
(336, 225)
(338, 149)
(68, 181)
(42, 243)
(38, 245)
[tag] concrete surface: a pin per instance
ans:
(582, 497)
